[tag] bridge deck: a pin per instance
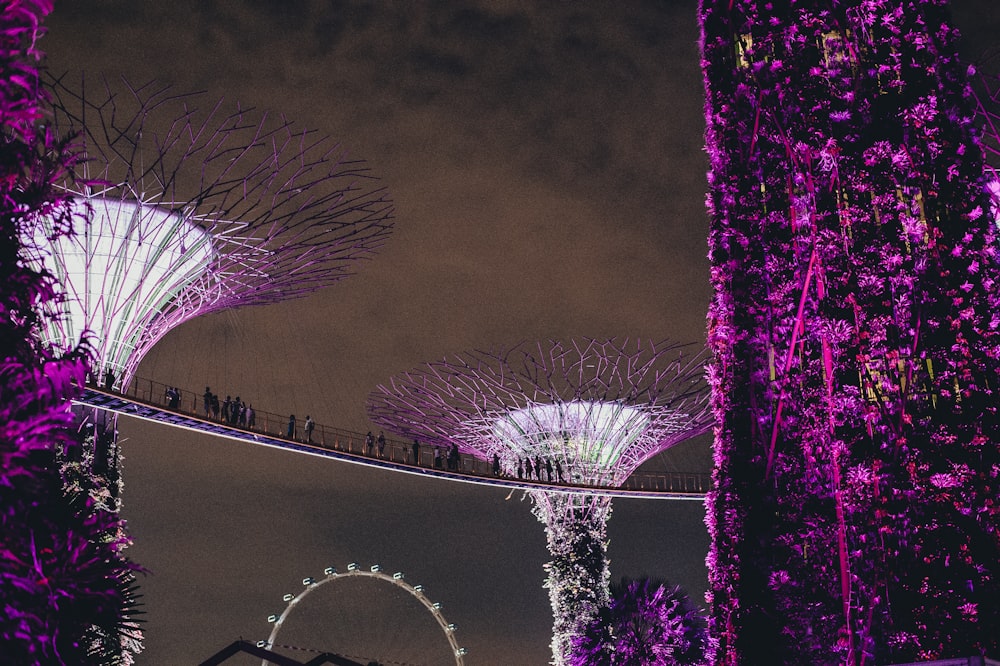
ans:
(349, 447)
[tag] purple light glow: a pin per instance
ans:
(622, 403)
(67, 590)
(647, 623)
(986, 93)
(597, 409)
(182, 207)
(856, 337)
(191, 208)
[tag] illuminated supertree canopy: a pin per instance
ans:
(855, 335)
(190, 206)
(589, 410)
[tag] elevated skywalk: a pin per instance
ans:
(146, 400)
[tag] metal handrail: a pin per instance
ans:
(396, 451)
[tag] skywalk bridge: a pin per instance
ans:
(146, 399)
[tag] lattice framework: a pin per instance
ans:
(512, 403)
(186, 206)
(599, 407)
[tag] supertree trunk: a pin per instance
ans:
(856, 337)
(578, 573)
(593, 409)
(182, 208)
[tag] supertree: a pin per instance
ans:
(648, 622)
(856, 337)
(189, 206)
(593, 410)
(194, 206)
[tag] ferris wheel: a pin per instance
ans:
(366, 615)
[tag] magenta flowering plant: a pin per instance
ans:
(67, 591)
(647, 622)
(856, 341)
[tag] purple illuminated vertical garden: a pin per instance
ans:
(590, 410)
(856, 336)
(66, 589)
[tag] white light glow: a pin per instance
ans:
(590, 436)
(127, 264)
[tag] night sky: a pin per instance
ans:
(547, 169)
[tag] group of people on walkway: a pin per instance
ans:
(236, 412)
(553, 472)
(447, 456)
(232, 411)
(371, 441)
(308, 428)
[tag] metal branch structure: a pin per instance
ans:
(180, 206)
(184, 206)
(592, 410)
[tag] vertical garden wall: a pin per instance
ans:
(856, 330)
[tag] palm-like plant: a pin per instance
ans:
(68, 593)
(648, 622)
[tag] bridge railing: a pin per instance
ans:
(339, 439)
